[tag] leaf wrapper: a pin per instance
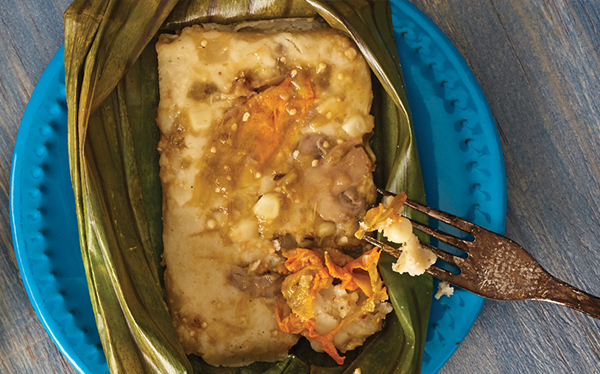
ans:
(112, 96)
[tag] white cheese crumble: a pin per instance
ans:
(444, 289)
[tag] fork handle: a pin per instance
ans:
(559, 292)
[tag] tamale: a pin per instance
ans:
(262, 151)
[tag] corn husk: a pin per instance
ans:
(112, 95)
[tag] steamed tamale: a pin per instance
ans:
(262, 152)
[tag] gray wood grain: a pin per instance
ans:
(538, 64)
(30, 34)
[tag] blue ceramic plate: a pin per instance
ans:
(458, 145)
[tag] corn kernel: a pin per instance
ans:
(267, 207)
(399, 232)
(356, 126)
(326, 228)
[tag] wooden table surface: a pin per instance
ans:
(538, 64)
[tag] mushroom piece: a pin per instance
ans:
(351, 200)
(314, 145)
(264, 285)
(343, 172)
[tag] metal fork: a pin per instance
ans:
(495, 266)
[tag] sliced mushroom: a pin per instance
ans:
(265, 285)
(352, 201)
(343, 172)
(314, 145)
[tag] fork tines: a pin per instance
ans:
(454, 241)
(455, 221)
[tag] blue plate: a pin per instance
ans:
(458, 145)
(460, 153)
(44, 224)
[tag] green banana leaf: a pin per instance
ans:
(112, 95)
